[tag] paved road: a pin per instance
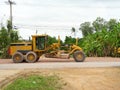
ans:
(54, 65)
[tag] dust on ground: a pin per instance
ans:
(79, 78)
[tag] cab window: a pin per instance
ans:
(40, 43)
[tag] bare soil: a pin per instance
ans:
(74, 78)
(92, 78)
(86, 78)
(77, 78)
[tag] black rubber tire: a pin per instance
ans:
(33, 55)
(17, 57)
(76, 58)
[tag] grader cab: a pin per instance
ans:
(31, 52)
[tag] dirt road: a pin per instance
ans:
(49, 60)
(57, 65)
(61, 63)
(74, 75)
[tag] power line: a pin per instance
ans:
(43, 26)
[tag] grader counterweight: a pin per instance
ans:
(31, 52)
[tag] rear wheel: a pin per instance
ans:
(79, 56)
(18, 57)
(31, 57)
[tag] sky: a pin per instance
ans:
(57, 17)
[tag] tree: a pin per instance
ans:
(14, 36)
(4, 39)
(73, 31)
(9, 26)
(112, 23)
(99, 24)
(86, 28)
(103, 42)
(7, 36)
(69, 40)
(51, 40)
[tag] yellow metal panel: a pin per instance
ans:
(34, 43)
(13, 49)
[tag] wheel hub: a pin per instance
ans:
(31, 57)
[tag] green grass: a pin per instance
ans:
(36, 82)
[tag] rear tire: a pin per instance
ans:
(79, 56)
(31, 57)
(17, 57)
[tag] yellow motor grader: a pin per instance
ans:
(31, 52)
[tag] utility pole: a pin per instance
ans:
(11, 3)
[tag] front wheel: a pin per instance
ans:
(79, 56)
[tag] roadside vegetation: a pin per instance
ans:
(7, 36)
(101, 38)
(36, 82)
